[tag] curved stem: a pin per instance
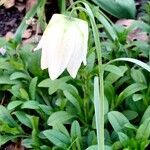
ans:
(100, 102)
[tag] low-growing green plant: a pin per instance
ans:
(69, 114)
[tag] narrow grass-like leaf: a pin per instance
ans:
(32, 87)
(96, 105)
(131, 89)
(108, 27)
(135, 61)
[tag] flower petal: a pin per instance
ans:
(60, 48)
(80, 49)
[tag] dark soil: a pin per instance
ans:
(9, 20)
(12, 17)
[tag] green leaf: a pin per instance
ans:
(59, 117)
(131, 89)
(114, 69)
(35, 132)
(117, 146)
(2, 41)
(46, 109)
(32, 87)
(75, 130)
(96, 104)
(60, 127)
(138, 76)
(6, 80)
(12, 105)
(143, 131)
(18, 75)
(137, 97)
(30, 105)
(15, 90)
(141, 25)
(28, 143)
(33, 63)
(24, 94)
(5, 138)
(130, 114)
(57, 138)
(135, 61)
(117, 120)
(111, 77)
(123, 138)
(130, 126)
(5, 65)
(73, 100)
(53, 85)
(23, 118)
(146, 114)
(6, 129)
(109, 91)
(93, 147)
(6, 117)
(108, 27)
(118, 8)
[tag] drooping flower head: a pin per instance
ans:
(64, 45)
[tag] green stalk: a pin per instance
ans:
(99, 104)
(62, 6)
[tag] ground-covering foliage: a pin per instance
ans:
(43, 114)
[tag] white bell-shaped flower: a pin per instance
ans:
(64, 45)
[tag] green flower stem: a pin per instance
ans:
(21, 29)
(62, 6)
(100, 102)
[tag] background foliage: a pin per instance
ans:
(42, 114)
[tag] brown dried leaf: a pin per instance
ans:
(20, 6)
(125, 22)
(30, 4)
(9, 3)
(138, 35)
(9, 35)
